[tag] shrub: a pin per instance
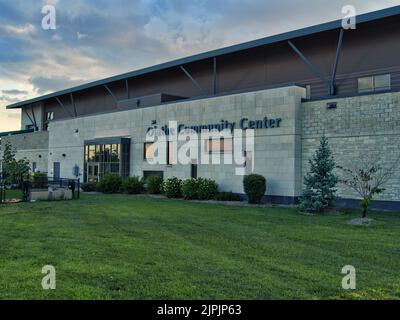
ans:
(227, 196)
(154, 184)
(255, 187)
(207, 189)
(110, 183)
(133, 185)
(89, 186)
(172, 187)
(40, 180)
(190, 189)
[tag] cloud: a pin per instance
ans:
(81, 35)
(100, 38)
(44, 85)
(14, 92)
(20, 30)
(8, 99)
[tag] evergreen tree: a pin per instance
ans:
(320, 181)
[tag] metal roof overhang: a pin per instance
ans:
(367, 17)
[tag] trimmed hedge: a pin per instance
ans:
(255, 186)
(202, 189)
(40, 180)
(172, 187)
(133, 185)
(110, 183)
(154, 184)
(228, 196)
(207, 189)
(190, 189)
(89, 186)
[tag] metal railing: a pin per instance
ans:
(72, 184)
(55, 183)
(2, 192)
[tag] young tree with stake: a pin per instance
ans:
(366, 177)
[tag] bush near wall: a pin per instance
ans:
(207, 189)
(40, 180)
(172, 187)
(190, 189)
(202, 189)
(110, 183)
(133, 185)
(154, 184)
(228, 196)
(89, 186)
(255, 186)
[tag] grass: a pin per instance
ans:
(137, 247)
(14, 194)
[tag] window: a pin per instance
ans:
(374, 83)
(248, 164)
(193, 171)
(49, 116)
(221, 145)
(34, 167)
(147, 174)
(101, 159)
(148, 151)
(170, 153)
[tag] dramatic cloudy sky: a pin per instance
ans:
(100, 38)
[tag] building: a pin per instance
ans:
(314, 81)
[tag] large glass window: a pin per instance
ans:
(170, 153)
(374, 83)
(148, 151)
(221, 145)
(101, 159)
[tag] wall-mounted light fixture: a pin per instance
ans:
(331, 105)
(64, 155)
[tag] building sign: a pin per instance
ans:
(244, 124)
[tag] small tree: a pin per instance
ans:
(366, 177)
(320, 181)
(13, 170)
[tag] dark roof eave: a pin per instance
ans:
(371, 16)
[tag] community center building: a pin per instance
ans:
(291, 88)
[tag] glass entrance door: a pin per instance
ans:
(112, 156)
(93, 172)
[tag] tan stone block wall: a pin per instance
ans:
(361, 124)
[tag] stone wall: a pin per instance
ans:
(359, 125)
(277, 151)
(32, 146)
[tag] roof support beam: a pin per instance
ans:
(127, 88)
(197, 85)
(334, 71)
(73, 104)
(215, 75)
(26, 112)
(34, 118)
(308, 63)
(111, 93)
(63, 106)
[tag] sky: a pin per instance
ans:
(95, 39)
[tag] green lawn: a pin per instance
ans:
(137, 247)
(14, 194)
